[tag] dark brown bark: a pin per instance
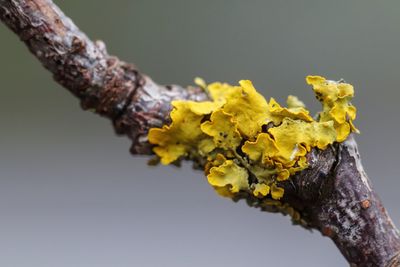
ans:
(111, 87)
(333, 195)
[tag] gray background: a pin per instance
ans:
(71, 195)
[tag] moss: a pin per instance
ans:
(251, 145)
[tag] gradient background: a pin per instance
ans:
(71, 195)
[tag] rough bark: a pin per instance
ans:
(104, 83)
(333, 195)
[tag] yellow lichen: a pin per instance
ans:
(223, 130)
(294, 102)
(261, 190)
(279, 113)
(251, 146)
(203, 108)
(335, 98)
(276, 192)
(294, 138)
(175, 140)
(229, 175)
(248, 108)
(263, 148)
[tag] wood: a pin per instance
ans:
(337, 198)
(103, 83)
(333, 195)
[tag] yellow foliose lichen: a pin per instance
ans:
(294, 102)
(248, 108)
(223, 130)
(279, 113)
(173, 141)
(261, 190)
(251, 146)
(335, 98)
(229, 175)
(277, 192)
(294, 138)
(262, 149)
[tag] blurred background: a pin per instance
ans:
(70, 193)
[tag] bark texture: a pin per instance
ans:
(333, 195)
(104, 83)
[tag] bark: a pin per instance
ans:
(333, 195)
(111, 87)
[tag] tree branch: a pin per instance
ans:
(104, 83)
(333, 195)
(336, 197)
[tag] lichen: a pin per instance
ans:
(250, 145)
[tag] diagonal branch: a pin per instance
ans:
(104, 83)
(333, 195)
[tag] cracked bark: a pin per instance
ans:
(333, 195)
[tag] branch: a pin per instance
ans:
(103, 83)
(333, 195)
(337, 198)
